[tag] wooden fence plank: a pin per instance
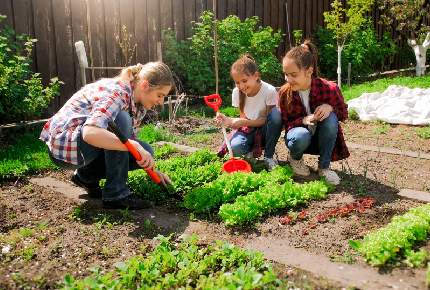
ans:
(296, 19)
(141, 30)
(64, 46)
(258, 4)
(321, 13)
(281, 25)
(200, 7)
(302, 18)
(274, 5)
(241, 9)
(113, 29)
(231, 7)
(98, 37)
(266, 12)
(314, 16)
(46, 53)
(210, 5)
(154, 33)
(189, 15)
(6, 8)
(221, 9)
(326, 9)
(166, 16)
(289, 26)
(308, 24)
(250, 8)
(127, 20)
(80, 33)
(23, 18)
(178, 19)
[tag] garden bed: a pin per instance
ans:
(55, 234)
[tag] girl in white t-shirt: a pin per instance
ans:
(260, 122)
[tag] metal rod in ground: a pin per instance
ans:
(170, 109)
(216, 49)
(186, 107)
(349, 75)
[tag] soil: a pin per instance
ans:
(67, 242)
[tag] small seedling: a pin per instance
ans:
(148, 224)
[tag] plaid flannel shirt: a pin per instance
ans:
(95, 105)
(322, 92)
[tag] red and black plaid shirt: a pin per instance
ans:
(322, 92)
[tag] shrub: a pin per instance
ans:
(22, 96)
(364, 50)
(193, 60)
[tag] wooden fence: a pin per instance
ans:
(58, 24)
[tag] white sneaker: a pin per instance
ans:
(330, 176)
(272, 163)
(298, 166)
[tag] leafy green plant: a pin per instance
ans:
(22, 96)
(353, 115)
(165, 150)
(193, 60)
(365, 50)
(400, 234)
(184, 265)
(152, 134)
(344, 258)
(423, 132)
(298, 35)
(382, 129)
(416, 259)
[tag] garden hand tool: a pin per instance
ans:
(136, 155)
(232, 165)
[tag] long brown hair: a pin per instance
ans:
(305, 56)
(244, 65)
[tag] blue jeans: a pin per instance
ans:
(241, 143)
(106, 164)
(299, 141)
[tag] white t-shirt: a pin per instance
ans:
(304, 96)
(256, 107)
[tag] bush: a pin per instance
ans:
(22, 96)
(364, 50)
(193, 60)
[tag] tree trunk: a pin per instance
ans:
(420, 51)
(339, 70)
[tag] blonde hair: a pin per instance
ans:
(157, 74)
(244, 65)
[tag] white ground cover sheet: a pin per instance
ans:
(397, 105)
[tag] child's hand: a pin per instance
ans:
(308, 120)
(322, 112)
(222, 119)
(164, 178)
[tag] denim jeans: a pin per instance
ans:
(299, 141)
(109, 164)
(241, 143)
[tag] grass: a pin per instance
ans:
(382, 84)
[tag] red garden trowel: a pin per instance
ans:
(114, 128)
(232, 165)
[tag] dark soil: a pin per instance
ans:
(66, 242)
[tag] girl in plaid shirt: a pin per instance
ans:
(260, 123)
(311, 109)
(78, 139)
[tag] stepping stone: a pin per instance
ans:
(179, 147)
(420, 195)
(388, 150)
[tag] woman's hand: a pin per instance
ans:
(147, 162)
(322, 112)
(164, 178)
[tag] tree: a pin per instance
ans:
(410, 16)
(343, 27)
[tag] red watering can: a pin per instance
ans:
(233, 165)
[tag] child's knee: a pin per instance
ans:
(275, 117)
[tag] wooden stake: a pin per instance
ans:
(89, 41)
(186, 107)
(170, 109)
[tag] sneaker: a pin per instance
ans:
(93, 189)
(130, 202)
(330, 176)
(298, 166)
(271, 162)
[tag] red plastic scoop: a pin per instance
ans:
(233, 165)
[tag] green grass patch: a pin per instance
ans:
(423, 132)
(382, 84)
